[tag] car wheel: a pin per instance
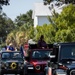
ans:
(45, 73)
(22, 73)
(2, 74)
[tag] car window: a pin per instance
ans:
(5, 55)
(73, 52)
(36, 54)
(40, 54)
(67, 52)
(17, 55)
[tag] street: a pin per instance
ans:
(19, 74)
(11, 74)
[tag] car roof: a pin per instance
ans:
(10, 51)
(42, 49)
(67, 43)
(35, 46)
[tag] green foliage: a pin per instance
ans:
(46, 2)
(61, 28)
(3, 2)
(68, 18)
(23, 29)
(31, 32)
(6, 26)
(24, 19)
(64, 24)
(48, 31)
(63, 36)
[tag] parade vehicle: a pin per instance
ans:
(37, 58)
(62, 60)
(12, 62)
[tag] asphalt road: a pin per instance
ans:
(11, 74)
(19, 74)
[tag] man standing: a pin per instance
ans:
(22, 49)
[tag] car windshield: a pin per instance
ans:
(67, 52)
(9, 55)
(41, 54)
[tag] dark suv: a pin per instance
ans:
(12, 63)
(37, 59)
(62, 60)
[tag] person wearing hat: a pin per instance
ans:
(10, 47)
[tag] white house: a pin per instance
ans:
(41, 12)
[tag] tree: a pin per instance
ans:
(64, 24)
(46, 2)
(3, 2)
(6, 26)
(47, 30)
(23, 29)
(25, 19)
(61, 27)
(20, 36)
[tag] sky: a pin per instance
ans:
(18, 7)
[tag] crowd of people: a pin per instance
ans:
(41, 44)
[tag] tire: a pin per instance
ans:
(44, 73)
(22, 73)
(2, 74)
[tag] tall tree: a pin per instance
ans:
(25, 19)
(3, 2)
(65, 24)
(6, 25)
(64, 1)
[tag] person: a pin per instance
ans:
(10, 47)
(22, 50)
(41, 42)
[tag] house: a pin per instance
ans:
(41, 12)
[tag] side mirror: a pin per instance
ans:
(52, 56)
(50, 64)
(27, 58)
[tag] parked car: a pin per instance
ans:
(37, 58)
(12, 63)
(62, 60)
